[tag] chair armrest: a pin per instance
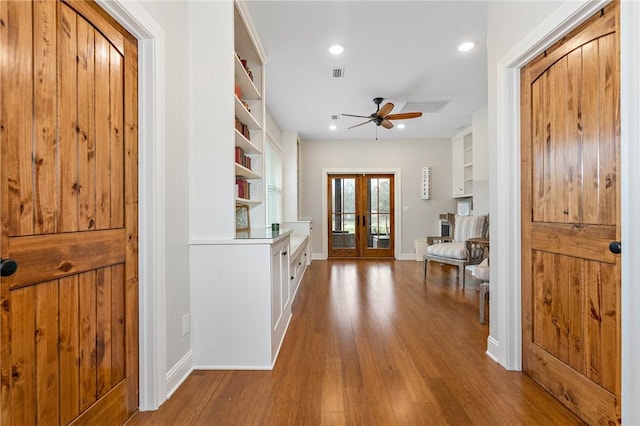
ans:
(437, 240)
(482, 248)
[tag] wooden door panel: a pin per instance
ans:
(68, 193)
(576, 323)
(574, 178)
(570, 214)
(91, 360)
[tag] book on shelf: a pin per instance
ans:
(243, 189)
(243, 159)
(239, 155)
(243, 129)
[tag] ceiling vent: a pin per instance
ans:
(428, 107)
(338, 72)
(335, 117)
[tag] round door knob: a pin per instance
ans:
(615, 247)
(8, 267)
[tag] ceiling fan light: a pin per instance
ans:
(336, 49)
(466, 46)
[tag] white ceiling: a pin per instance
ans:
(399, 50)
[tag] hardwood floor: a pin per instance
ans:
(371, 343)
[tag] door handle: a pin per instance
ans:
(615, 247)
(8, 267)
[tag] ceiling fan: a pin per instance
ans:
(382, 116)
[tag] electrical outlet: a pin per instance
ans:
(185, 324)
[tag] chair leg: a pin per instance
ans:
(425, 268)
(462, 270)
(484, 291)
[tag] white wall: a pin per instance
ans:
(410, 156)
(508, 24)
(173, 19)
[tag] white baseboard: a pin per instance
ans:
(493, 349)
(318, 256)
(179, 373)
(406, 256)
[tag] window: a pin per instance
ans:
(273, 179)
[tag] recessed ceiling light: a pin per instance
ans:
(401, 126)
(333, 127)
(336, 49)
(465, 47)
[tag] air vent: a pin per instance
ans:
(334, 117)
(338, 72)
(428, 107)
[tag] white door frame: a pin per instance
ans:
(505, 339)
(397, 188)
(151, 203)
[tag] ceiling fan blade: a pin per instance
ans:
(359, 116)
(386, 124)
(404, 115)
(386, 109)
(369, 121)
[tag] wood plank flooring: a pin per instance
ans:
(371, 343)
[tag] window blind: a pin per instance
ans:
(273, 179)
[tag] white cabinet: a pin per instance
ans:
(280, 294)
(240, 300)
(462, 164)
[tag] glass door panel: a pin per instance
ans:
(342, 239)
(378, 215)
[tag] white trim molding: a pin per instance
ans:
(179, 373)
(151, 218)
(397, 187)
(506, 345)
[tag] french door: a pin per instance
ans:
(361, 214)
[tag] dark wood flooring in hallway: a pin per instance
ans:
(371, 343)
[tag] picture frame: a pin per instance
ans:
(463, 208)
(242, 218)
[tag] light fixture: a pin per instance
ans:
(332, 127)
(336, 49)
(466, 46)
(401, 126)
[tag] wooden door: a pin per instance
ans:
(68, 173)
(361, 214)
(570, 214)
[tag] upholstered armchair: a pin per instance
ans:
(460, 252)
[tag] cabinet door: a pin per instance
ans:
(276, 288)
(457, 166)
(280, 299)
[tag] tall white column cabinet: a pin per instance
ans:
(240, 281)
